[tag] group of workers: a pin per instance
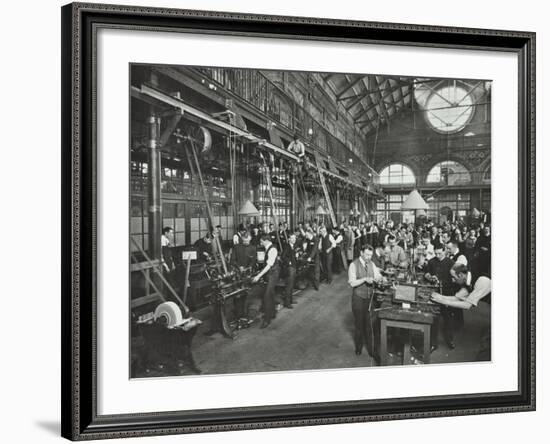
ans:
(460, 268)
(456, 257)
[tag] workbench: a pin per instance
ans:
(419, 317)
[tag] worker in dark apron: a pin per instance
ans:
(271, 271)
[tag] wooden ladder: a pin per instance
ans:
(273, 207)
(330, 208)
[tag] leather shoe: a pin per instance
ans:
(358, 351)
(265, 324)
(451, 345)
(289, 306)
(433, 348)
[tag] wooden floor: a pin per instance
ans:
(315, 334)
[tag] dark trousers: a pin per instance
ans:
(239, 305)
(451, 319)
(366, 331)
(337, 260)
(290, 279)
(314, 273)
(326, 263)
(269, 294)
(484, 353)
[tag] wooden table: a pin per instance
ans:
(414, 319)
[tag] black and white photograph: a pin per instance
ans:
(294, 220)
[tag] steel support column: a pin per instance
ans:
(293, 191)
(153, 188)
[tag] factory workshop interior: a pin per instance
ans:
(285, 221)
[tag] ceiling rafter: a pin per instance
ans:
(351, 85)
(397, 108)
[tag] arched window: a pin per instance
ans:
(449, 173)
(396, 174)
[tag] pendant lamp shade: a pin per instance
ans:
(414, 201)
(320, 211)
(476, 213)
(248, 209)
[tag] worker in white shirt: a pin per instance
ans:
(455, 254)
(472, 291)
(166, 244)
(337, 255)
(362, 274)
(296, 147)
(271, 270)
(237, 237)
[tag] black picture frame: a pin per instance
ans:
(79, 396)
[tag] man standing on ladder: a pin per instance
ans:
(271, 270)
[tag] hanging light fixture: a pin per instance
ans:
(414, 201)
(248, 209)
(320, 211)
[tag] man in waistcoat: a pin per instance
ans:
(289, 263)
(472, 291)
(312, 252)
(326, 245)
(243, 257)
(271, 270)
(362, 274)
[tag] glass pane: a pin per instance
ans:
(179, 224)
(180, 238)
(133, 247)
(136, 208)
(135, 225)
(195, 235)
(195, 223)
(168, 210)
(168, 223)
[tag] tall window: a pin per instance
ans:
(281, 197)
(390, 209)
(173, 216)
(449, 173)
(396, 174)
